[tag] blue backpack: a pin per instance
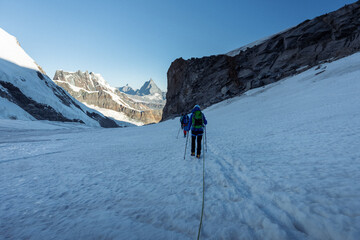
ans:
(184, 119)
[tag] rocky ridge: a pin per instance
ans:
(212, 79)
(92, 89)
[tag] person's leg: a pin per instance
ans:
(198, 150)
(193, 138)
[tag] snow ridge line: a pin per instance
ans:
(203, 197)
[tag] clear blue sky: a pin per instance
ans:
(131, 41)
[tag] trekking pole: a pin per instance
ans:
(204, 145)
(205, 140)
(178, 133)
(187, 137)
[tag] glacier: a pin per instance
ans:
(282, 162)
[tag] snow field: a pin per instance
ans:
(282, 163)
(303, 166)
(76, 188)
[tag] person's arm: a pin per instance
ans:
(205, 121)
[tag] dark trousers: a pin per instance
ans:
(198, 149)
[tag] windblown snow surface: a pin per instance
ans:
(282, 162)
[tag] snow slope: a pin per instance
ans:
(20, 70)
(282, 163)
(119, 116)
(9, 110)
(11, 51)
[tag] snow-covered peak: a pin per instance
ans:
(10, 50)
(85, 80)
(101, 80)
(127, 89)
(149, 88)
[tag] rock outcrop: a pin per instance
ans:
(92, 89)
(209, 80)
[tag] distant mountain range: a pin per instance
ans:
(148, 89)
(27, 93)
(92, 90)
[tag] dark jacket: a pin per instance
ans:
(188, 127)
(184, 119)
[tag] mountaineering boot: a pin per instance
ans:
(193, 154)
(197, 155)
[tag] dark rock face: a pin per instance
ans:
(38, 110)
(209, 80)
(104, 122)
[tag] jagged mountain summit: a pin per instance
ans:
(127, 89)
(149, 94)
(148, 89)
(209, 80)
(85, 80)
(92, 90)
(27, 93)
